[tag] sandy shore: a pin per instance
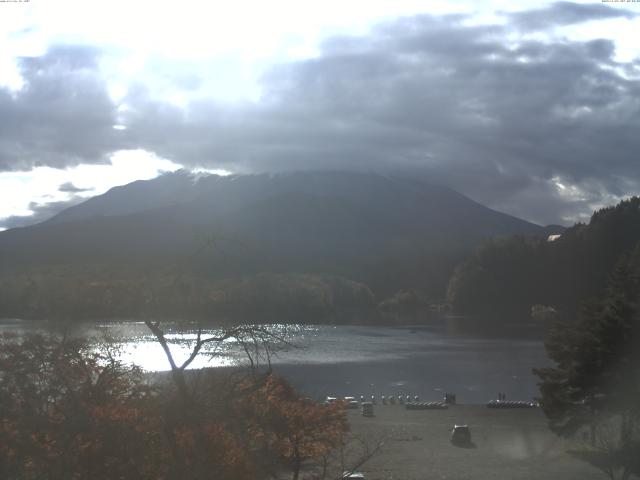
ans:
(507, 445)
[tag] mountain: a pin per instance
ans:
(388, 232)
(398, 200)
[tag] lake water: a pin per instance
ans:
(360, 360)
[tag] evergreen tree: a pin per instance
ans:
(506, 277)
(596, 379)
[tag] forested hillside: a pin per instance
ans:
(258, 242)
(507, 277)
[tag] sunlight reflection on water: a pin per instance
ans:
(348, 359)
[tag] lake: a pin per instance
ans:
(326, 360)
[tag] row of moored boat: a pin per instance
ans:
(511, 404)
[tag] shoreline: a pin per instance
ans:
(452, 324)
(355, 361)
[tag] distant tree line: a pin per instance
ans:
(80, 294)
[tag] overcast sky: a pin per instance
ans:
(533, 110)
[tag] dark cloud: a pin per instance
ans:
(566, 13)
(505, 123)
(62, 116)
(71, 188)
(41, 212)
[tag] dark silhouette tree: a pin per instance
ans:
(594, 387)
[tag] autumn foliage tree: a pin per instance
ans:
(69, 410)
(291, 427)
